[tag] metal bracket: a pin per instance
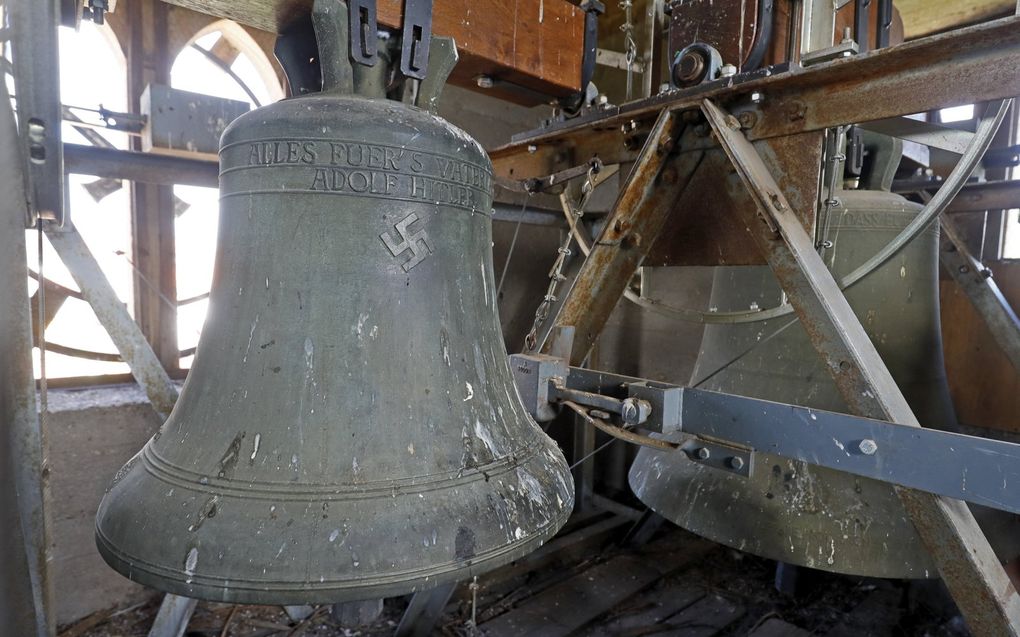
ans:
(719, 456)
(414, 55)
(725, 430)
(363, 31)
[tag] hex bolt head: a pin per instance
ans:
(484, 81)
(757, 97)
(702, 453)
(727, 70)
(735, 462)
(868, 447)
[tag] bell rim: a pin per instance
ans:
(394, 584)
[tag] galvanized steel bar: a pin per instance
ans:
(25, 588)
(966, 561)
(977, 283)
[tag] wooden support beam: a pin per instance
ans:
(533, 43)
(152, 206)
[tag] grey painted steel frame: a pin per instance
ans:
(970, 569)
(25, 593)
(37, 81)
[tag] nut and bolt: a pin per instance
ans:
(868, 447)
(727, 70)
(484, 81)
(735, 462)
(757, 97)
(602, 100)
(532, 148)
(986, 273)
(665, 88)
(702, 453)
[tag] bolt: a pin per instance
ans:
(747, 119)
(757, 97)
(735, 462)
(532, 148)
(986, 273)
(629, 412)
(602, 100)
(727, 70)
(665, 88)
(484, 81)
(825, 244)
(868, 447)
(964, 269)
(702, 453)
(844, 366)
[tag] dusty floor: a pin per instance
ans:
(716, 592)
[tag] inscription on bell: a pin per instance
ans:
(372, 170)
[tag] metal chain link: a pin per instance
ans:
(556, 275)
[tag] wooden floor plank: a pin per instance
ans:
(646, 611)
(570, 605)
(705, 618)
(776, 627)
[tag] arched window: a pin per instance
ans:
(100, 208)
(224, 61)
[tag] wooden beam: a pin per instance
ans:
(152, 206)
(924, 17)
(534, 43)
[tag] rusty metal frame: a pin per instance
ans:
(948, 529)
(967, 65)
(644, 203)
(960, 67)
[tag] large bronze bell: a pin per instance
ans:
(792, 511)
(349, 429)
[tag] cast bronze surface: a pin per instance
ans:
(349, 429)
(792, 511)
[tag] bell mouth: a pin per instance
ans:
(259, 547)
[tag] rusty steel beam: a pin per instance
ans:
(968, 565)
(961, 67)
(641, 209)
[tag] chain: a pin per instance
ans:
(631, 46)
(830, 202)
(556, 275)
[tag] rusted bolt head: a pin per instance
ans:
(868, 447)
(844, 366)
(702, 453)
(747, 119)
(735, 462)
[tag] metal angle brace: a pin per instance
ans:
(977, 283)
(969, 567)
(732, 428)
